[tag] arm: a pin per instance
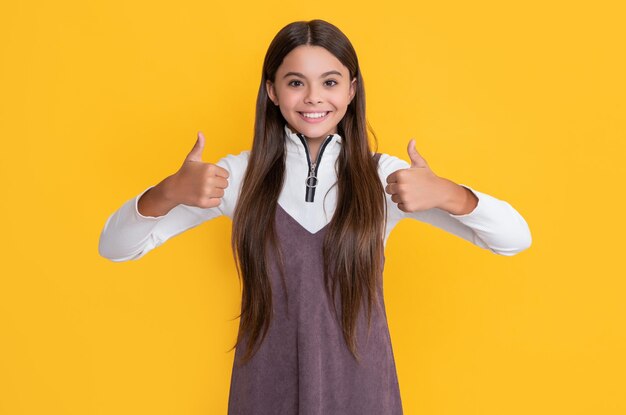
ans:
(492, 223)
(129, 235)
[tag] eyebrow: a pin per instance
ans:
(323, 75)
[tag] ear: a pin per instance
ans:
(352, 89)
(271, 92)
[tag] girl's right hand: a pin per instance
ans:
(197, 183)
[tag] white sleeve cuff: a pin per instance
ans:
(477, 210)
(139, 215)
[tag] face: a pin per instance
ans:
(312, 81)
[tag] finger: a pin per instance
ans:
(391, 188)
(214, 202)
(220, 171)
(218, 181)
(416, 159)
(216, 192)
(196, 152)
(393, 177)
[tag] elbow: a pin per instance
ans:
(510, 251)
(104, 248)
(107, 250)
(520, 244)
(516, 236)
(116, 258)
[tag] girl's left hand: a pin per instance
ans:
(418, 187)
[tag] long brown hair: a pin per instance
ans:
(353, 244)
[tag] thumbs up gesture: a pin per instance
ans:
(197, 183)
(418, 187)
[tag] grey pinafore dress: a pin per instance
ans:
(303, 366)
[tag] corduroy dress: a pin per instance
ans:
(304, 366)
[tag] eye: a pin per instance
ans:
(291, 83)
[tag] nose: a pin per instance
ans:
(312, 96)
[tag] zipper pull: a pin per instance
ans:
(311, 180)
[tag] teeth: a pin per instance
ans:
(314, 114)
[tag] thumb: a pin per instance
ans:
(416, 159)
(196, 152)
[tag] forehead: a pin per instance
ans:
(311, 61)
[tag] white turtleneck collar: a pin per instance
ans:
(294, 143)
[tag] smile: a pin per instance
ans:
(314, 117)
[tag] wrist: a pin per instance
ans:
(459, 200)
(157, 201)
(167, 191)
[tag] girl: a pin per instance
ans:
(312, 208)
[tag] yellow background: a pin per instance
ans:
(525, 102)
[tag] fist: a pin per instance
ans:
(416, 188)
(197, 183)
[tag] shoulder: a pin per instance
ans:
(387, 164)
(235, 163)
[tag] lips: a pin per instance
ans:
(314, 120)
(311, 112)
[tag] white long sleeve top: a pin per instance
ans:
(493, 224)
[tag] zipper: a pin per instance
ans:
(311, 180)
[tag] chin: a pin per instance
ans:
(314, 130)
